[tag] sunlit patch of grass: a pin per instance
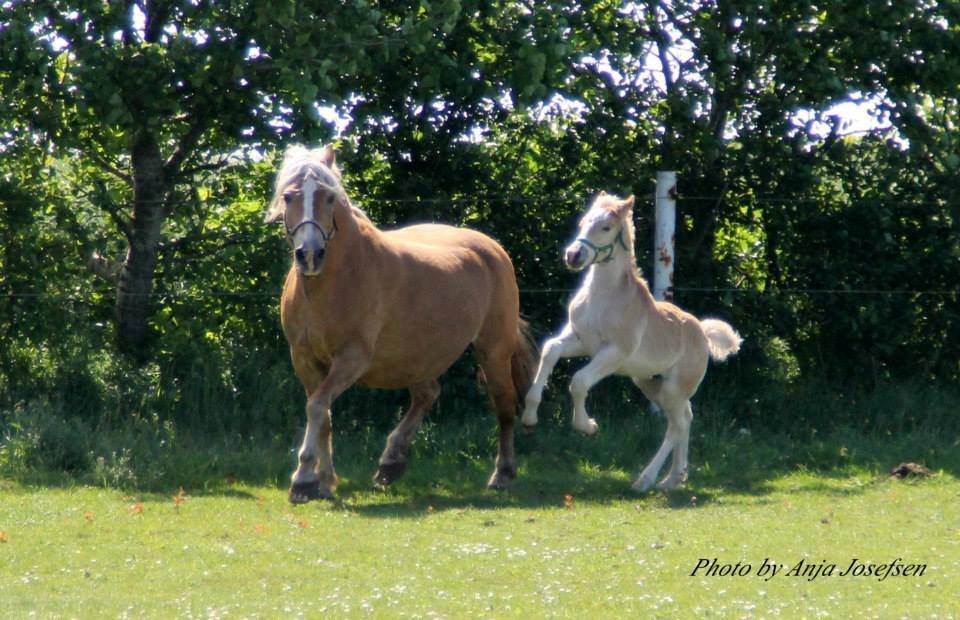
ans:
(454, 551)
(199, 525)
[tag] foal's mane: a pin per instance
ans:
(611, 204)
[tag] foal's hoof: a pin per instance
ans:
(387, 473)
(672, 482)
(642, 485)
(303, 492)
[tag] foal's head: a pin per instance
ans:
(307, 190)
(604, 230)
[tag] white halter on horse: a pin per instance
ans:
(614, 320)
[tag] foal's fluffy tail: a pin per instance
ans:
(523, 362)
(722, 339)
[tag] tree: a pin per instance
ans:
(713, 84)
(154, 92)
(503, 115)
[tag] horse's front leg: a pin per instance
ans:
(607, 361)
(393, 461)
(565, 344)
(315, 477)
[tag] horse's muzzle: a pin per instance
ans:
(574, 257)
(309, 260)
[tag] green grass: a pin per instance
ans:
(436, 544)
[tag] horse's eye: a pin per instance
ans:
(287, 197)
(606, 229)
(330, 199)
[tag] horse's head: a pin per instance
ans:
(307, 191)
(602, 230)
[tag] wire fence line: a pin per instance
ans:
(244, 237)
(212, 294)
(569, 199)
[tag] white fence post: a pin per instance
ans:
(665, 235)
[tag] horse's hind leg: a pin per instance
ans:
(675, 393)
(678, 468)
(653, 389)
(649, 474)
(393, 461)
(495, 364)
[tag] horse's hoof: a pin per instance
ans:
(303, 492)
(529, 429)
(501, 479)
(589, 429)
(387, 473)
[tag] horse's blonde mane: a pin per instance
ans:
(298, 161)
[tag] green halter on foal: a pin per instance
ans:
(609, 248)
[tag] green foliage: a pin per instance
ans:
(837, 257)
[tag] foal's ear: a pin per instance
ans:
(625, 206)
(329, 158)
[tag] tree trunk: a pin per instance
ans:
(135, 281)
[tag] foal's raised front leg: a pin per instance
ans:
(606, 362)
(564, 344)
(315, 477)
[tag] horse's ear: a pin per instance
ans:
(625, 206)
(274, 210)
(329, 158)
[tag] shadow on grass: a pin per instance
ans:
(558, 465)
(431, 488)
(451, 463)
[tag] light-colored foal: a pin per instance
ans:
(614, 320)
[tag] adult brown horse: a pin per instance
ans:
(389, 310)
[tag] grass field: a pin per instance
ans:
(567, 540)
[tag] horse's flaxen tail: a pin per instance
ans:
(722, 339)
(523, 362)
